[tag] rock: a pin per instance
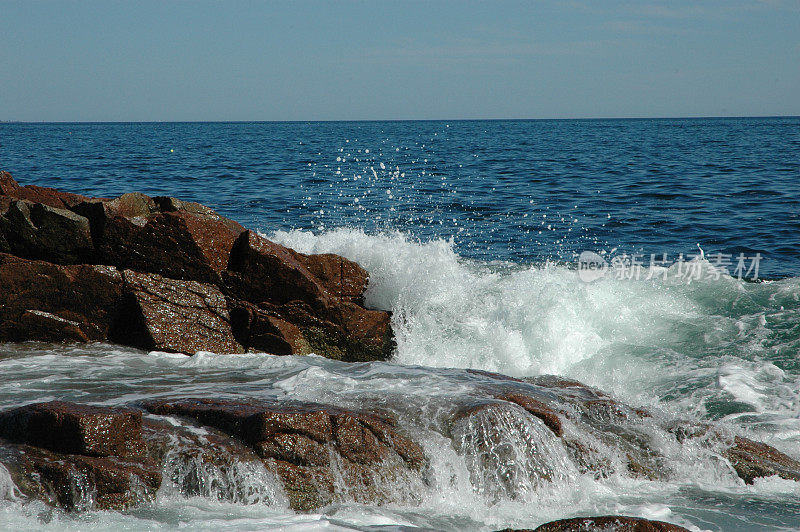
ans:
(251, 294)
(305, 303)
(340, 277)
(173, 315)
(538, 409)
(201, 461)
(76, 456)
(76, 482)
(252, 421)
(309, 446)
(47, 196)
(46, 302)
(38, 231)
(753, 460)
(607, 523)
(262, 271)
(168, 237)
(75, 429)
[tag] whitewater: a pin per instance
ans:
(638, 340)
(470, 232)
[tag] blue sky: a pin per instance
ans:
(236, 60)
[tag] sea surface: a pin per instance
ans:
(477, 235)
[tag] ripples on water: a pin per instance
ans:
(455, 221)
(522, 191)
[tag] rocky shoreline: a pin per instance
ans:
(163, 274)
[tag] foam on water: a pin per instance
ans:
(716, 346)
(713, 349)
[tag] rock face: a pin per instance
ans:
(74, 429)
(319, 452)
(161, 273)
(47, 302)
(78, 457)
(173, 315)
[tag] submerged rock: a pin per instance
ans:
(320, 453)
(193, 280)
(753, 460)
(605, 523)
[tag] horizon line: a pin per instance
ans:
(697, 117)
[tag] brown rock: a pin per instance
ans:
(309, 445)
(753, 460)
(538, 409)
(172, 315)
(46, 302)
(207, 463)
(76, 482)
(252, 421)
(263, 271)
(38, 231)
(341, 278)
(308, 488)
(259, 330)
(294, 448)
(75, 429)
(609, 523)
(47, 196)
(186, 241)
(357, 442)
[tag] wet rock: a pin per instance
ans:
(39, 231)
(320, 453)
(276, 300)
(252, 421)
(201, 461)
(607, 523)
(340, 277)
(753, 460)
(78, 457)
(321, 296)
(47, 302)
(76, 482)
(75, 429)
(261, 330)
(173, 315)
(537, 408)
(175, 239)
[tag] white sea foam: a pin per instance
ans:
(633, 336)
(705, 349)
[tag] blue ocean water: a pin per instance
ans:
(521, 191)
(470, 231)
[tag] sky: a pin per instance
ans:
(372, 60)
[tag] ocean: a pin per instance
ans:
(656, 259)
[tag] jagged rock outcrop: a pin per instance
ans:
(82, 457)
(174, 276)
(174, 315)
